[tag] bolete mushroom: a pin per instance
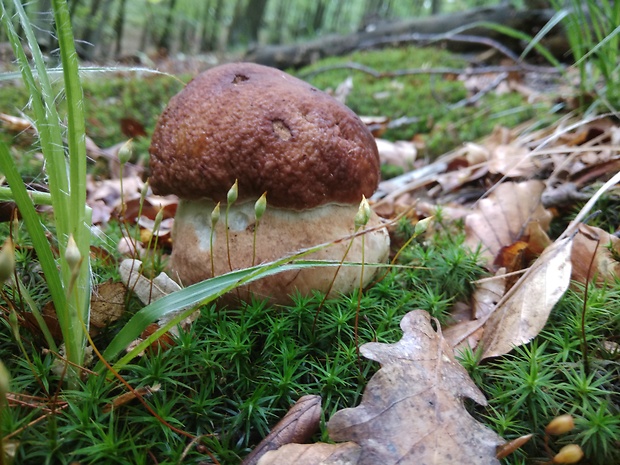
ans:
(273, 133)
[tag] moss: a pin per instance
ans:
(426, 99)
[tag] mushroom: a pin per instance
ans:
(271, 133)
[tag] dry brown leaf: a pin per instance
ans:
(400, 153)
(16, 124)
(523, 311)
(605, 266)
(132, 128)
(412, 410)
(488, 293)
(510, 447)
(107, 305)
(127, 397)
(503, 217)
(512, 160)
(147, 290)
(298, 425)
(347, 453)
(150, 290)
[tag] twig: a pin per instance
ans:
(426, 71)
(430, 38)
(481, 93)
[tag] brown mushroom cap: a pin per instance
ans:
(270, 131)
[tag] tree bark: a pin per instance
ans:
(119, 26)
(164, 39)
(411, 30)
(255, 13)
(86, 47)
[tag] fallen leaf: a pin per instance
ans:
(412, 411)
(129, 396)
(488, 293)
(132, 128)
(16, 124)
(523, 311)
(107, 305)
(512, 160)
(603, 257)
(298, 425)
(162, 343)
(147, 290)
(399, 153)
(503, 217)
(150, 290)
(347, 453)
(506, 449)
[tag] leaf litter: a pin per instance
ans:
(520, 180)
(506, 188)
(419, 389)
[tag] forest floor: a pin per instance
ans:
(499, 312)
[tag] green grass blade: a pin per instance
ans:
(46, 116)
(76, 126)
(510, 32)
(197, 294)
(79, 301)
(35, 228)
(38, 198)
(34, 310)
(557, 18)
(599, 45)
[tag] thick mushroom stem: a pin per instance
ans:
(281, 233)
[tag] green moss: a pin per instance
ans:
(427, 99)
(107, 101)
(237, 370)
(549, 377)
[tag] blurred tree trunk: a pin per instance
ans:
(246, 22)
(236, 31)
(187, 28)
(101, 42)
(319, 15)
(337, 15)
(375, 11)
(206, 26)
(164, 39)
(119, 25)
(412, 30)
(255, 12)
(42, 21)
(276, 33)
(85, 49)
(436, 7)
(73, 4)
(216, 21)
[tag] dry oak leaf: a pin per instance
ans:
(603, 257)
(522, 313)
(412, 411)
(346, 453)
(505, 217)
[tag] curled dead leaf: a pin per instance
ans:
(503, 217)
(298, 425)
(603, 257)
(523, 311)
